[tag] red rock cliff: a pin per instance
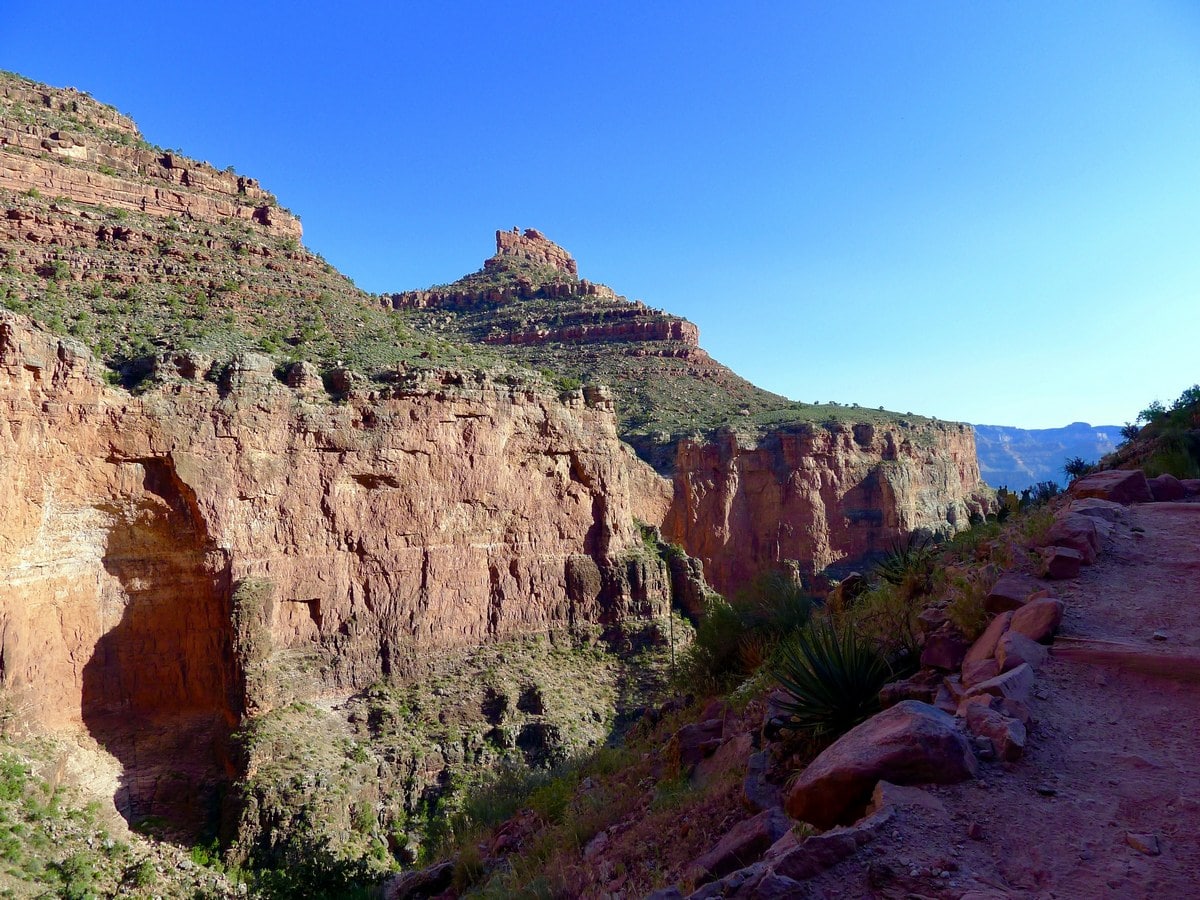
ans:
(814, 496)
(224, 543)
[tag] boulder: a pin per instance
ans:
(921, 686)
(1007, 735)
(1098, 509)
(985, 646)
(422, 883)
(760, 793)
(1191, 486)
(1039, 620)
(1076, 533)
(694, 742)
(944, 648)
(742, 845)
(730, 755)
(1166, 488)
(1118, 486)
(1016, 649)
(910, 743)
(1014, 684)
(1012, 591)
(800, 859)
(1060, 563)
(975, 672)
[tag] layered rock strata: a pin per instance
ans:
(96, 155)
(166, 557)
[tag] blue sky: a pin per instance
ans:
(985, 212)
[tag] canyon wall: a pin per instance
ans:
(810, 497)
(223, 543)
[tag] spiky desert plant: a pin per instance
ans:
(833, 677)
(908, 561)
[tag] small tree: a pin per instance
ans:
(1076, 467)
(1152, 413)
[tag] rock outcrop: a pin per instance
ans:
(163, 553)
(810, 497)
(96, 156)
(533, 246)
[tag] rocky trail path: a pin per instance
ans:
(1106, 801)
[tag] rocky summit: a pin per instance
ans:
(296, 576)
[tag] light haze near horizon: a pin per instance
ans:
(981, 212)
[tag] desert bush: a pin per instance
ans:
(1076, 467)
(886, 615)
(833, 677)
(966, 593)
(734, 639)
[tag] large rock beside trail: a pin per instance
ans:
(1012, 685)
(1076, 532)
(985, 645)
(1166, 488)
(910, 743)
(743, 844)
(1039, 620)
(1012, 591)
(1061, 563)
(1118, 485)
(1098, 509)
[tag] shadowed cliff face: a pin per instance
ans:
(161, 690)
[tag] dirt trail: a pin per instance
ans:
(1113, 757)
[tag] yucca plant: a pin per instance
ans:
(911, 560)
(833, 677)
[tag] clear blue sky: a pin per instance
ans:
(979, 211)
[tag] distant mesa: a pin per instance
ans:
(1018, 458)
(528, 266)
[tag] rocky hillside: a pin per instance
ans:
(291, 567)
(759, 482)
(1018, 458)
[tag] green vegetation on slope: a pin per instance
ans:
(663, 389)
(1168, 442)
(217, 289)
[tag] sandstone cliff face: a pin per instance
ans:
(223, 543)
(811, 497)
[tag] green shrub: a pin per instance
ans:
(468, 868)
(1076, 467)
(886, 615)
(713, 662)
(966, 608)
(833, 678)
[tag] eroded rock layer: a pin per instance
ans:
(223, 543)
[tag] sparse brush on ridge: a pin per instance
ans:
(833, 677)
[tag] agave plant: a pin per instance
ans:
(911, 559)
(833, 677)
